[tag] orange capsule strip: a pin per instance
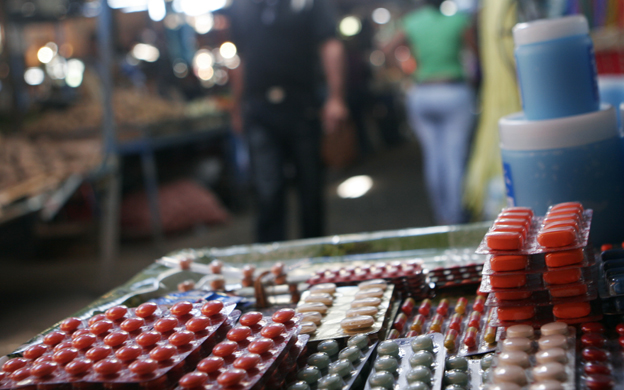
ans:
(504, 241)
(557, 237)
(572, 310)
(564, 258)
(502, 263)
(518, 313)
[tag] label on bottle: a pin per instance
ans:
(509, 187)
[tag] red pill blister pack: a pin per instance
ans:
(120, 346)
(529, 235)
(518, 283)
(252, 348)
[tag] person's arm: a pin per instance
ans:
(335, 110)
(236, 113)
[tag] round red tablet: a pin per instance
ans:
(34, 351)
(210, 364)
(20, 374)
(197, 324)
(211, 308)
(593, 340)
(128, 353)
(116, 338)
(101, 327)
(231, 377)
(70, 324)
(251, 318)
(98, 352)
(283, 315)
(273, 330)
(181, 308)
(193, 380)
(143, 367)
(247, 361)
(65, 355)
(78, 366)
(165, 324)
(14, 364)
(43, 369)
(261, 346)
(239, 333)
(84, 341)
(596, 368)
(145, 309)
(132, 324)
(592, 354)
(225, 348)
(107, 367)
(148, 338)
(163, 352)
(54, 337)
(599, 382)
(181, 338)
(116, 312)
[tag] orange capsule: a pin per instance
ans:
(163, 352)
(526, 223)
(143, 367)
(101, 327)
(556, 237)
(132, 324)
(251, 318)
(129, 353)
(572, 310)
(165, 324)
(247, 361)
(417, 324)
(99, 352)
(564, 276)
(54, 337)
(504, 241)
(272, 331)
(225, 348)
(181, 338)
(470, 340)
(116, 338)
(107, 367)
(449, 339)
(508, 281)
(436, 323)
(43, 369)
(283, 315)
(562, 217)
(14, 364)
(260, 346)
(517, 313)
(565, 291)
(564, 258)
(512, 295)
(408, 306)
(239, 333)
(20, 374)
(231, 377)
(84, 341)
(460, 306)
(78, 366)
(502, 263)
(147, 339)
(399, 322)
(510, 228)
(563, 205)
(35, 351)
(197, 324)
(490, 335)
(96, 318)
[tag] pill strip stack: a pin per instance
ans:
(613, 267)
(150, 345)
(347, 310)
(541, 269)
(454, 276)
(250, 355)
(334, 364)
(414, 363)
(601, 359)
(545, 358)
(461, 321)
(407, 276)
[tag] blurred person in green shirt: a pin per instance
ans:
(440, 104)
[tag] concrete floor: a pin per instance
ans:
(36, 294)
